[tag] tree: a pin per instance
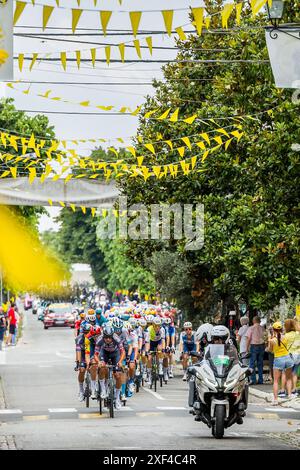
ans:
(249, 190)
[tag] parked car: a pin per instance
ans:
(59, 315)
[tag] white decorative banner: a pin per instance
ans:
(284, 51)
(84, 192)
(6, 40)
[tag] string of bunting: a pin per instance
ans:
(38, 146)
(167, 115)
(237, 119)
(136, 16)
(118, 168)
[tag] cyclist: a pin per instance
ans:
(109, 347)
(90, 345)
(80, 319)
(132, 354)
(170, 349)
(142, 343)
(155, 342)
(119, 328)
(81, 358)
(187, 344)
(100, 318)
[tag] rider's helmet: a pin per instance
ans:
(149, 318)
(98, 311)
(157, 321)
(142, 322)
(167, 320)
(91, 311)
(86, 327)
(117, 324)
(187, 324)
(91, 318)
(82, 315)
(220, 332)
(204, 332)
(133, 322)
(108, 331)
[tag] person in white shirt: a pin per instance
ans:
(241, 336)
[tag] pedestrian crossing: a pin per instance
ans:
(13, 415)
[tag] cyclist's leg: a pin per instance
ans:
(93, 372)
(81, 376)
(103, 376)
(185, 360)
(131, 372)
(160, 358)
(115, 357)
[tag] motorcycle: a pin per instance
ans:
(218, 388)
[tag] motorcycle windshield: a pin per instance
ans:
(221, 358)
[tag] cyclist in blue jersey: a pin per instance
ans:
(187, 344)
(100, 318)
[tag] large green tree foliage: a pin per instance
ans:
(251, 190)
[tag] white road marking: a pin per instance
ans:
(62, 410)
(155, 394)
(65, 356)
(125, 408)
(43, 367)
(282, 410)
(10, 412)
(171, 408)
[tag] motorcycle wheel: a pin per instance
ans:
(218, 427)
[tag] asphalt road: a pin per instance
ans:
(42, 410)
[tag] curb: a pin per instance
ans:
(2, 396)
(268, 398)
(259, 394)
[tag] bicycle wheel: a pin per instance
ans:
(87, 390)
(111, 398)
(99, 398)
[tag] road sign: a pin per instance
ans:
(6, 40)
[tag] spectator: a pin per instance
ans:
(12, 322)
(241, 335)
(271, 357)
(2, 327)
(293, 346)
(256, 345)
(282, 360)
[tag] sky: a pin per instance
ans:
(100, 126)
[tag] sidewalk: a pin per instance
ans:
(265, 392)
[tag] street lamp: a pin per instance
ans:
(275, 11)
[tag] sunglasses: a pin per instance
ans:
(188, 329)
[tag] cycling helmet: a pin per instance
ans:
(117, 324)
(108, 331)
(137, 315)
(167, 320)
(133, 322)
(142, 322)
(150, 318)
(157, 321)
(91, 311)
(98, 311)
(204, 331)
(86, 327)
(91, 317)
(220, 332)
(82, 315)
(187, 325)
